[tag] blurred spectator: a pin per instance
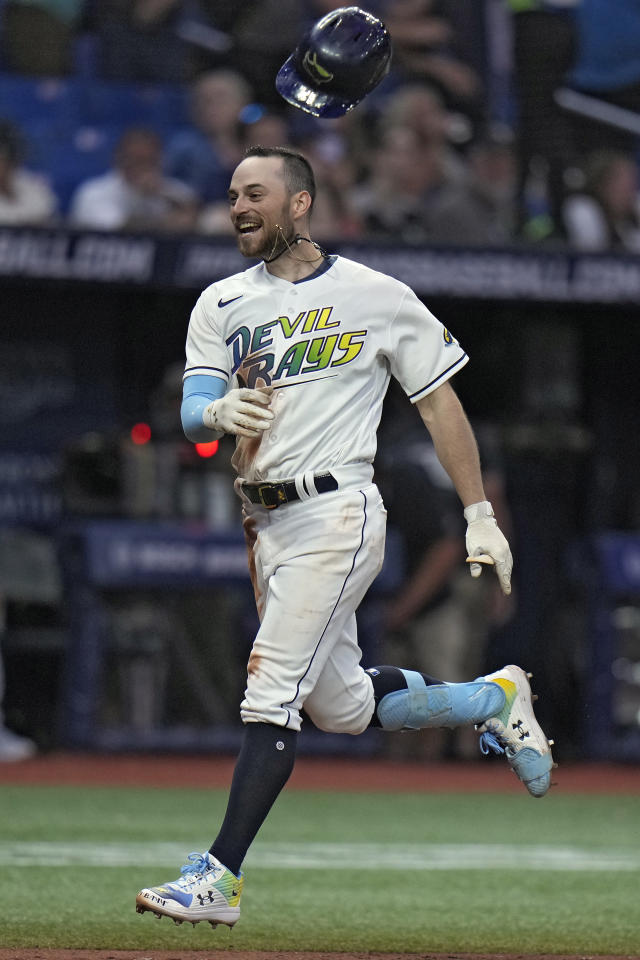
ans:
(261, 126)
(420, 189)
(607, 71)
(426, 48)
(334, 220)
(392, 201)
(484, 212)
(263, 35)
(340, 148)
(257, 126)
(544, 47)
(37, 37)
(153, 41)
(205, 155)
(605, 215)
(334, 152)
(135, 194)
(421, 107)
(25, 197)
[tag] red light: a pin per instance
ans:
(140, 433)
(207, 449)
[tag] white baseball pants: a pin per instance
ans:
(313, 561)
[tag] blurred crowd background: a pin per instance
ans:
(503, 124)
(501, 121)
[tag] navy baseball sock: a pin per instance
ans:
(263, 767)
(408, 700)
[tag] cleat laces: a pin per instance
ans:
(197, 865)
(489, 742)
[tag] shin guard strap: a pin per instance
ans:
(415, 706)
(438, 705)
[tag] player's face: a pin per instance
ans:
(260, 206)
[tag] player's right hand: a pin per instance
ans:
(241, 411)
(486, 544)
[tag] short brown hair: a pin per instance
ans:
(298, 174)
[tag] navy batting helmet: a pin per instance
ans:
(340, 60)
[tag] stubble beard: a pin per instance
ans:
(268, 243)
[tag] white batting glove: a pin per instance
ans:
(486, 544)
(242, 411)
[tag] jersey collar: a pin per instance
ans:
(276, 281)
(324, 266)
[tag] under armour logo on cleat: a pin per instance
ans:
(523, 734)
(208, 897)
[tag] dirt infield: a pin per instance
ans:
(209, 772)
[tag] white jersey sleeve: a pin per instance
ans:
(206, 351)
(422, 352)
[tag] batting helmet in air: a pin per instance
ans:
(337, 63)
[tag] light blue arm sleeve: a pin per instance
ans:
(198, 392)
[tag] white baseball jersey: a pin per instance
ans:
(328, 344)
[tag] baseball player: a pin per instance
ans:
(293, 356)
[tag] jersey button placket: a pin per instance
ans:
(291, 294)
(290, 311)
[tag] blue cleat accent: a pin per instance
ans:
(174, 893)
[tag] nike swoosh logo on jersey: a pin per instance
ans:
(225, 303)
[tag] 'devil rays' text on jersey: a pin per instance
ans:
(328, 345)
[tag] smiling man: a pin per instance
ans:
(270, 202)
(293, 356)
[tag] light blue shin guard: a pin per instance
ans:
(438, 705)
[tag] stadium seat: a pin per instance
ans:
(55, 103)
(153, 105)
(86, 152)
(71, 125)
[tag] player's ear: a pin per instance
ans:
(301, 202)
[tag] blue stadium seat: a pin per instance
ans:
(71, 125)
(153, 105)
(55, 103)
(87, 152)
(66, 103)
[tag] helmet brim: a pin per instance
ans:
(296, 91)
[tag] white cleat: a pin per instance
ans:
(206, 890)
(516, 732)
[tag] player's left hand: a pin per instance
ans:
(486, 544)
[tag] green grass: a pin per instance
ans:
(395, 907)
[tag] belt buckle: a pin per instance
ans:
(270, 504)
